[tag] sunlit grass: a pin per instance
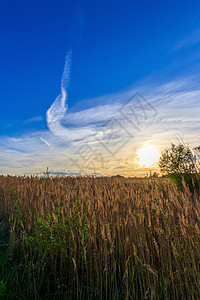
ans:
(99, 238)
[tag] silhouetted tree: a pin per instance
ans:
(178, 159)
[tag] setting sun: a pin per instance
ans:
(148, 155)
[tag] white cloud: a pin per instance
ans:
(46, 143)
(74, 134)
(58, 109)
(33, 120)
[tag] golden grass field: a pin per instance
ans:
(98, 238)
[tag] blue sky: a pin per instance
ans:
(117, 48)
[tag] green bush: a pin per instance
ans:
(191, 180)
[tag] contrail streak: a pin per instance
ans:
(45, 141)
(58, 109)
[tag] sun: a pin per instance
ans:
(148, 156)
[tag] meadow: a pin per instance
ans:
(98, 238)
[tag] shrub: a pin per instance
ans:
(191, 180)
(178, 159)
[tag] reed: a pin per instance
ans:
(98, 238)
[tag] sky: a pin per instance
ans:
(87, 87)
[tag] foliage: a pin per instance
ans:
(178, 159)
(197, 153)
(3, 258)
(181, 165)
(191, 180)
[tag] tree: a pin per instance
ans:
(197, 153)
(178, 159)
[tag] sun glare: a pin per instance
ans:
(148, 156)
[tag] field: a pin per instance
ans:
(98, 238)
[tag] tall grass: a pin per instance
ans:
(98, 238)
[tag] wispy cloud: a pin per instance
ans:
(189, 40)
(46, 143)
(56, 114)
(74, 136)
(33, 120)
(57, 111)
(178, 113)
